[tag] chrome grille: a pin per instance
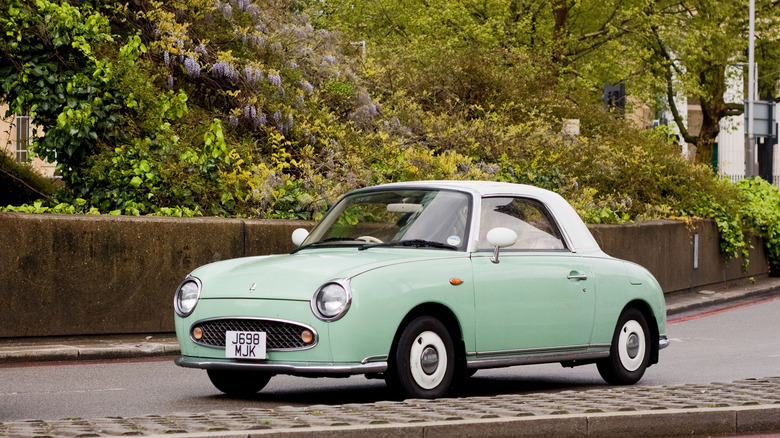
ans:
(280, 335)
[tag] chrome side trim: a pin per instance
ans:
(508, 358)
(374, 359)
(663, 342)
(292, 368)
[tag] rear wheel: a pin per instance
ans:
(629, 353)
(238, 383)
(424, 361)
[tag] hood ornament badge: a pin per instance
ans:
(254, 286)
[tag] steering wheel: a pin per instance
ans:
(370, 239)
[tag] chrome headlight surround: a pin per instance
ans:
(332, 300)
(187, 296)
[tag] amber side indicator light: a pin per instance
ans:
(456, 281)
(197, 333)
(307, 337)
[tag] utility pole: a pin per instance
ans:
(751, 158)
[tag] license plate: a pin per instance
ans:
(245, 345)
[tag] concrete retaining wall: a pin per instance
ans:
(682, 257)
(74, 275)
(77, 275)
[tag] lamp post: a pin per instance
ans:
(751, 158)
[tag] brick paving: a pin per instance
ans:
(630, 399)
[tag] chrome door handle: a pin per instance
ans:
(577, 277)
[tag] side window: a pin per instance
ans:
(528, 218)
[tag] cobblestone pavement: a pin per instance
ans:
(632, 400)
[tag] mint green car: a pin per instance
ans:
(422, 284)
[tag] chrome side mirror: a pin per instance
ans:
(299, 235)
(500, 238)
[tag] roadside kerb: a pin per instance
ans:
(666, 423)
(85, 349)
(681, 302)
(744, 406)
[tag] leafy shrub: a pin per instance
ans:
(762, 216)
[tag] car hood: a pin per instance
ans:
(297, 276)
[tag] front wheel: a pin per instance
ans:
(629, 353)
(423, 363)
(238, 383)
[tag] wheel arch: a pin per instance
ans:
(443, 314)
(652, 324)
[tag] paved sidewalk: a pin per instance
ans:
(747, 406)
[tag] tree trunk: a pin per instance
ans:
(560, 9)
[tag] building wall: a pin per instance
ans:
(8, 142)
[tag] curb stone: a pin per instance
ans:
(745, 406)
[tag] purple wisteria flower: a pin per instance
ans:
(258, 40)
(284, 127)
(192, 66)
(233, 121)
(330, 59)
(277, 117)
(261, 119)
(487, 168)
(225, 69)
(201, 49)
(170, 81)
(299, 32)
(166, 58)
(252, 75)
(306, 86)
(275, 80)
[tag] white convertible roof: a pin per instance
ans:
(578, 234)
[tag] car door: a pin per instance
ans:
(539, 295)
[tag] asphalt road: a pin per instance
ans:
(739, 343)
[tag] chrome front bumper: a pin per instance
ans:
(291, 368)
(663, 342)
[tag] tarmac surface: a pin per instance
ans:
(743, 407)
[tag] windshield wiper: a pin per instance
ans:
(416, 243)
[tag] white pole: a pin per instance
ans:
(751, 166)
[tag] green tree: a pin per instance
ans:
(689, 45)
(50, 69)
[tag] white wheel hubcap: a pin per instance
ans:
(428, 360)
(631, 345)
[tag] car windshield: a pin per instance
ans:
(408, 218)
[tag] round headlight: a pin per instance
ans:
(187, 296)
(331, 301)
